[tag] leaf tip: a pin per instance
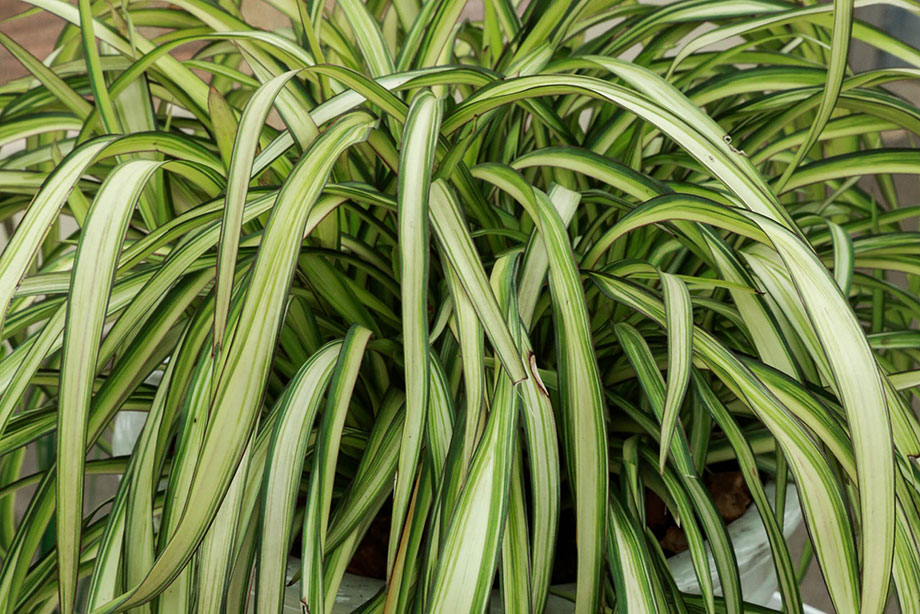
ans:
(532, 363)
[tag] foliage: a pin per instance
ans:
(476, 270)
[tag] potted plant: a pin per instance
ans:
(479, 299)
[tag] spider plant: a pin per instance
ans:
(479, 270)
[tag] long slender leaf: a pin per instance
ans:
(420, 136)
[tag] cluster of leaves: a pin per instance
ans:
(475, 269)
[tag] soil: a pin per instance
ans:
(729, 493)
(727, 488)
(370, 559)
